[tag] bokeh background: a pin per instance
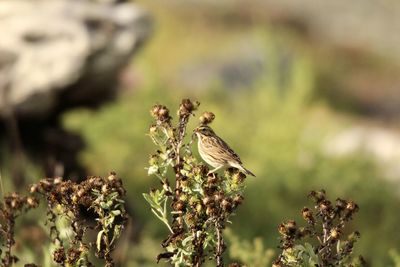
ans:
(308, 93)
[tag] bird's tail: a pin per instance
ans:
(239, 166)
(246, 171)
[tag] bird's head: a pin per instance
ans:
(204, 130)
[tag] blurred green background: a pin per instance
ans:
(280, 100)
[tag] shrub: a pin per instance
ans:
(197, 205)
(327, 244)
(65, 200)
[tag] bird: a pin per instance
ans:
(216, 152)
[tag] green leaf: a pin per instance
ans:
(109, 221)
(186, 240)
(147, 197)
(98, 240)
(104, 205)
(116, 212)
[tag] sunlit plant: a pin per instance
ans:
(65, 200)
(322, 242)
(194, 206)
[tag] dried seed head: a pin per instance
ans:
(207, 117)
(74, 199)
(57, 180)
(325, 206)
(153, 129)
(206, 200)
(335, 233)
(73, 255)
(307, 215)
(155, 110)
(64, 188)
(317, 196)
(226, 204)
(350, 209)
(32, 202)
(59, 255)
(112, 176)
(282, 229)
(187, 107)
(34, 188)
(80, 192)
(104, 188)
(210, 211)
(218, 196)
(351, 206)
(14, 203)
(163, 113)
(82, 248)
(340, 204)
(237, 200)
(287, 228)
(277, 263)
(160, 112)
(179, 205)
(291, 226)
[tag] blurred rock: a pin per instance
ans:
(55, 54)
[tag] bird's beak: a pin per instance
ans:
(195, 132)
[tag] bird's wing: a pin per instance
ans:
(228, 152)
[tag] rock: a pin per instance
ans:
(55, 54)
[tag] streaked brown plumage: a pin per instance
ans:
(216, 152)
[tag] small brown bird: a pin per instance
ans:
(216, 152)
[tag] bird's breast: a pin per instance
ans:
(206, 156)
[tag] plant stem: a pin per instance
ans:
(220, 244)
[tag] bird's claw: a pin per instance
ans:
(210, 173)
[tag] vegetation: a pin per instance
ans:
(199, 204)
(274, 122)
(68, 201)
(281, 143)
(279, 130)
(195, 210)
(327, 244)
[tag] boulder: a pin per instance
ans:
(55, 54)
